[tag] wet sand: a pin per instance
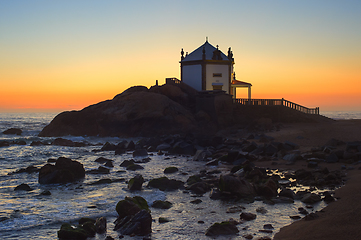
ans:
(340, 219)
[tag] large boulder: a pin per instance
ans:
(223, 228)
(239, 187)
(65, 170)
(135, 112)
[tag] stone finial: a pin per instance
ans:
(230, 54)
(182, 54)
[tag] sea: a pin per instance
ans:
(30, 215)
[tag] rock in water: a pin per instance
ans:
(140, 224)
(23, 187)
(15, 131)
(101, 225)
(136, 183)
(65, 170)
(223, 228)
(135, 112)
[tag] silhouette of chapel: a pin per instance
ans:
(208, 69)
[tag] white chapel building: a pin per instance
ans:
(208, 68)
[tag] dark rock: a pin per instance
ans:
(239, 187)
(130, 145)
(127, 163)
(328, 197)
(15, 131)
(63, 142)
(162, 204)
(223, 228)
(163, 220)
(130, 206)
(135, 112)
(65, 170)
(134, 167)
(101, 225)
(183, 148)
(292, 157)
(140, 153)
(248, 216)
(235, 209)
(109, 164)
(164, 184)
(108, 147)
(4, 144)
(23, 187)
(100, 170)
(163, 147)
(45, 193)
(295, 217)
(199, 187)
(140, 224)
(136, 183)
(170, 170)
(289, 193)
(215, 194)
(68, 232)
(103, 160)
(29, 169)
(212, 162)
(102, 181)
(311, 198)
(268, 189)
(196, 201)
(201, 155)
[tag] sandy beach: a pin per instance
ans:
(340, 219)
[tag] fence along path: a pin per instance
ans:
(277, 102)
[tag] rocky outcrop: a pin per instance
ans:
(135, 112)
(65, 170)
(15, 131)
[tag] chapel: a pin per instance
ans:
(208, 69)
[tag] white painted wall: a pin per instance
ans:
(192, 76)
(212, 68)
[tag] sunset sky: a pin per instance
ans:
(66, 55)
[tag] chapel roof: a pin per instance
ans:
(209, 49)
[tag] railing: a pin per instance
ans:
(172, 80)
(277, 102)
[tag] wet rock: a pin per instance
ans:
(126, 163)
(199, 187)
(312, 164)
(130, 206)
(303, 211)
(100, 170)
(65, 170)
(163, 220)
(235, 209)
(103, 160)
(170, 170)
(289, 193)
(292, 157)
(45, 193)
(102, 181)
(162, 204)
(311, 198)
(101, 225)
(29, 169)
(223, 228)
(134, 167)
(68, 232)
(239, 187)
(201, 155)
(4, 144)
(261, 210)
(295, 217)
(13, 131)
(248, 216)
(267, 189)
(140, 224)
(328, 197)
(165, 184)
(23, 187)
(108, 147)
(183, 148)
(163, 147)
(67, 143)
(136, 183)
(140, 153)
